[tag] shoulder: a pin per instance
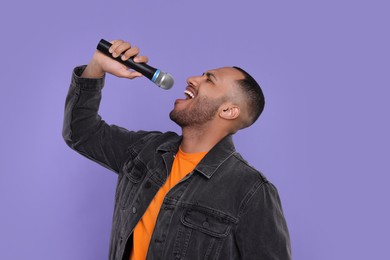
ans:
(259, 189)
(245, 169)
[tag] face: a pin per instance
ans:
(204, 96)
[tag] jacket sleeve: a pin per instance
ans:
(262, 230)
(86, 132)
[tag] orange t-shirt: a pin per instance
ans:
(183, 164)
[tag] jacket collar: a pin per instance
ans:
(171, 144)
(216, 157)
(213, 159)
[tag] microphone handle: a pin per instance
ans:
(143, 68)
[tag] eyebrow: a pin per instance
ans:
(210, 75)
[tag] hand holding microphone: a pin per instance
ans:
(121, 52)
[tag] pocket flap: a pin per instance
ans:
(209, 221)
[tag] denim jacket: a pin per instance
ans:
(223, 209)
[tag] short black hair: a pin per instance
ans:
(253, 95)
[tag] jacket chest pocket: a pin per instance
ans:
(134, 173)
(202, 233)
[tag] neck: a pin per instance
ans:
(200, 139)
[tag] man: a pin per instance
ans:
(181, 197)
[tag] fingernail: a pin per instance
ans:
(136, 59)
(114, 54)
(110, 50)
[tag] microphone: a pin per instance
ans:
(162, 79)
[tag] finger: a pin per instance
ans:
(130, 53)
(120, 49)
(144, 59)
(135, 74)
(114, 44)
(129, 74)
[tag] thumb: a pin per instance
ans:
(129, 74)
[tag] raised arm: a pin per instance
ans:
(83, 129)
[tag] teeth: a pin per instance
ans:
(189, 93)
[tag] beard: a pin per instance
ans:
(202, 112)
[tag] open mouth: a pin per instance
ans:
(189, 94)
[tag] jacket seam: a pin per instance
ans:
(249, 196)
(75, 99)
(251, 167)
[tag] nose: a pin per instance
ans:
(194, 81)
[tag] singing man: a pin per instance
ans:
(188, 196)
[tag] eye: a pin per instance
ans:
(209, 80)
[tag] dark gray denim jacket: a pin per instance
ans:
(224, 209)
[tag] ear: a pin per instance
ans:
(230, 112)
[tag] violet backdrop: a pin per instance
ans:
(323, 138)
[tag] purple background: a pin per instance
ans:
(323, 139)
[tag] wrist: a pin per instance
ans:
(84, 82)
(93, 70)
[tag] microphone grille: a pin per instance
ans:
(164, 80)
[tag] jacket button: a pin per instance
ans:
(206, 224)
(134, 210)
(147, 185)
